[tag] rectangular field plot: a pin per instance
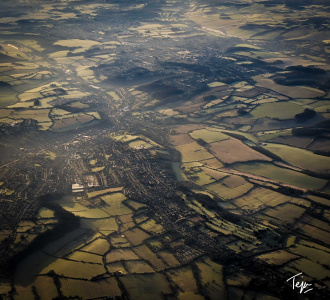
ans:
(138, 266)
(98, 246)
(232, 151)
(135, 205)
(85, 257)
(209, 135)
(105, 224)
(301, 158)
(290, 91)
(285, 213)
(279, 257)
(146, 287)
(121, 254)
(119, 241)
(90, 290)
(197, 175)
(114, 206)
(145, 253)
(91, 213)
(316, 255)
(180, 139)
(282, 175)
(281, 110)
(74, 269)
(152, 227)
(117, 267)
(45, 287)
(184, 278)
(212, 163)
(136, 236)
(40, 115)
(193, 152)
(213, 173)
(105, 191)
(225, 191)
(69, 241)
(316, 233)
(309, 268)
(169, 258)
(261, 196)
(211, 275)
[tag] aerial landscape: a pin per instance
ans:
(164, 149)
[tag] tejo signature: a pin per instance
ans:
(299, 285)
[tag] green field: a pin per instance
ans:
(226, 192)
(300, 157)
(209, 135)
(281, 110)
(282, 175)
(260, 196)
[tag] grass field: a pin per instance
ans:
(293, 92)
(261, 196)
(121, 254)
(282, 175)
(300, 157)
(66, 241)
(88, 290)
(45, 213)
(145, 253)
(212, 163)
(138, 266)
(316, 255)
(115, 206)
(316, 233)
(105, 191)
(152, 227)
(285, 213)
(135, 205)
(184, 278)
(197, 175)
(45, 287)
(146, 287)
(309, 268)
(209, 135)
(8, 96)
(212, 279)
(169, 258)
(74, 269)
(85, 257)
(193, 152)
(98, 246)
(116, 267)
(282, 110)
(279, 257)
(232, 151)
(107, 224)
(226, 192)
(136, 236)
